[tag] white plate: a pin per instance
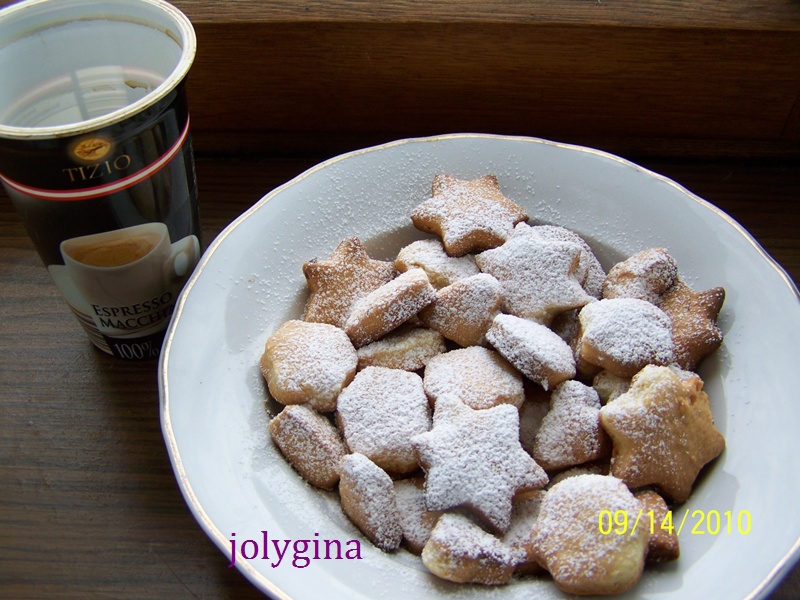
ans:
(250, 281)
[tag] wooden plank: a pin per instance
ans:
(327, 80)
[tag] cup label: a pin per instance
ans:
(113, 215)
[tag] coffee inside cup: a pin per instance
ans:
(116, 252)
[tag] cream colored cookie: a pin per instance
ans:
(369, 500)
(380, 412)
(539, 277)
(308, 363)
(536, 351)
(609, 386)
(569, 543)
(695, 332)
(663, 545)
(441, 268)
(625, 334)
(589, 271)
(416, 520)
(518, 537)
(646, 275)
(459, 550)
(388, 307)
(477, 376)
(570, 433)
(336, 283)
(473, 459)
(463, 311)
(469, 216)
(406, 348)
(662, 432)
(310, 443)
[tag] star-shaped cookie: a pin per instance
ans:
(468, 215)
(695, 333)
(473, 459)
(662, 432)
(335, 284)
(538, 276)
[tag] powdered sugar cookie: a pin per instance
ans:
(662, 432)
(416, 520)
(459, 550)
(538, 277)
(518, 537)
(609, 386)
(463, 311)
(368, 499)
(335, 284)
(469, 216)
(406, 348)
(568, 541)
(623, 335)
(388, 307)
(646, 275)
(694, 322)
(570, 433)
(310, 443)
(539, 354)
(589, 271)
(531, 413)
(380, 412)
(477, 376)
(473, 459)
(308, 363)
(663, 545)
(441, 268)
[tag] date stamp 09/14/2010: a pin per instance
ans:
(700, 522)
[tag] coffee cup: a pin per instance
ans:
(96, 156)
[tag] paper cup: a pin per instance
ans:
(95, 149)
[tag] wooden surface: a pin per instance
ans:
(89, 506)
(277, 75)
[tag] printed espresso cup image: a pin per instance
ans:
(123, 284)
(96, 156)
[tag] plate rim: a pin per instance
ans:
(263, 583)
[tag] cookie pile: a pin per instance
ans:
(485, 397)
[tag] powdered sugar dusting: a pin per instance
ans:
(380, 411)
(441, 268)
(538, 353)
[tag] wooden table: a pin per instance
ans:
(89, 506)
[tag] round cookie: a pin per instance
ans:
(308, 363)
(463, 311)
(477, 376)
(416, 521)
(568, 542)
(380, 412)
(622, 335)
(459, 550)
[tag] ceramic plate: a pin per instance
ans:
(250, 281)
